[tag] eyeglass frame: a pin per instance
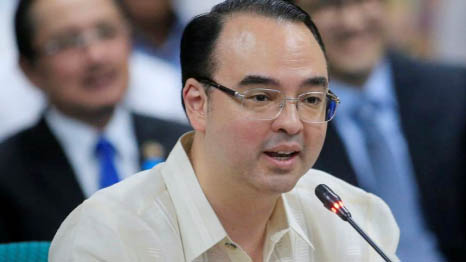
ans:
(330, 95)
(84, 39)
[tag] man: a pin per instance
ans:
(400, 132)
(76, 52)
(157, 29)
(255, 91)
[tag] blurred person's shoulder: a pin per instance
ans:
(161, 126)
(13, 146)
(164, 131)
(18, 154)
(427, 69)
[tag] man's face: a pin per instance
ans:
(86, 78)
(285, 56)
(148, 12)
(353, 33)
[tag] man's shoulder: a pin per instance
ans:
(351, 195)
(326, 228)
(18, 146)
(413, 67)
(135, 217)
(162, 125)
(315, 177)
(150, 130)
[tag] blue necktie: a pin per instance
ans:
(394, 183)
(105, 154)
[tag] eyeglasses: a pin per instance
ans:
(75, 41)
(267, 104)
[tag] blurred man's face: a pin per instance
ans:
(353, 33)
(147, 12)
(83, 49)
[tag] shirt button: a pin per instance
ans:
(230, 245)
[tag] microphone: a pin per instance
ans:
(334, 203)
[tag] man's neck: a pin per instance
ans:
(243, 212)
(95, 118)
(356, 79)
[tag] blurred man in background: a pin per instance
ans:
(77, 53)
(157, 29)
(153, 89)
(401, 129)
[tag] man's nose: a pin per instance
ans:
(288, 120)
(94, 50)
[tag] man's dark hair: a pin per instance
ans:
(24, 28)
(200, 35)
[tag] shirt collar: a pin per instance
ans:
(378, 89)
(291, 213)
(199, 226)
(79, 136)
(284, 221)
(75, 136)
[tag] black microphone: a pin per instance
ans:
(334, 203)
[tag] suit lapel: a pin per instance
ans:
(406, 79)
(47, 161)
(156, 132)
(141, 136)
(334, 158)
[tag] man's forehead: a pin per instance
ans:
(51, 14)
(248, 32)
(271, 47)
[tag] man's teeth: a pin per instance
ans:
(284, 153)
(281, 154)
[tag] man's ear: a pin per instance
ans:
(30, 71)
(195, 101)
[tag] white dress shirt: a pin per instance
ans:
(79, 140)
(162, 214)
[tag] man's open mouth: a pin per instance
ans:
(282, 156)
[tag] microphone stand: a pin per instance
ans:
(368, 239)
(334, 203)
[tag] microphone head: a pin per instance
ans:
(332, 201)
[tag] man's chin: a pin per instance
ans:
(282, 182)
(356, 73)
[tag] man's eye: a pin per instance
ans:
(106, 32)
(66, 42)
(260, 98)
(312, 100)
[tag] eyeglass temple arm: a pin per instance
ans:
(222, 88)
(332, 96)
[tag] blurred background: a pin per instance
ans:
(428, 29)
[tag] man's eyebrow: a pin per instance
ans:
(258, 80)
(316, 81)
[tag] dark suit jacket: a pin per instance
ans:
(38, 188)
(432, 100)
